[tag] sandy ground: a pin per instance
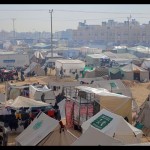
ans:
(139, 91)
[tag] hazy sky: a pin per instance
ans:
(36, 17)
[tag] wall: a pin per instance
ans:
(16, 60)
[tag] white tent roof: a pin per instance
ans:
(131, 67)
(38, 55)
(55, 55)
(44, 131)
(114, 126)
(139, 144)
(100, 92)
(92, 137)
(21, 101)
(43, 89)
(146, 64)
(144, 112)
(32, 65)
(9, 102)
(36, 93)
(37, 130)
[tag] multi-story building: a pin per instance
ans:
(128, 32)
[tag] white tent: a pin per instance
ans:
(44, 130)
(69, 66)
(146, 64)
(21, 101)
(117, 103)
(36, 68)
(8, 103)
(133, 72)
(92, 137)
(36, 93)
(143, 116)
(38, 55)
(139, 144)
(112, 125)
(14, 91)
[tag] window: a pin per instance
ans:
(8, 61)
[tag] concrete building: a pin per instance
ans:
(13, 59)
(127, 32)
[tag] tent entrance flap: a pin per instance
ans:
(137, 76)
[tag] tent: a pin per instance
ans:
(140, 144)
(86, 68)
(14, 91)
(36, 93)
(143, 115)
(36, 68)
(146, 63)
(69, 66)
(92, 137)
(38, 55)
(117, 103)
(44, 130)
(110, 124)
(21, 101)
(115, 86)
(8, 103)
(115, 73)
(133, 72)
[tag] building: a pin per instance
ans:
(13, 59)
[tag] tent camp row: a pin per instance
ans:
(128, 72)
(105, 128)
(35, 92)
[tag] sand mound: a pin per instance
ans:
(129, 83)
(148, 87)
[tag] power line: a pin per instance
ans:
(57, 19)
(81, 11)
(51, 11)
(13, 19)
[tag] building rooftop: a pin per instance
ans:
(71, 61)
(140, 48)
(97, 55)
(7, 52)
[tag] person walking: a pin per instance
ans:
(45, 69)
(62, 126)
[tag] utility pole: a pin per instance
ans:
(13, 19)
(129, 28)
(51, 11)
